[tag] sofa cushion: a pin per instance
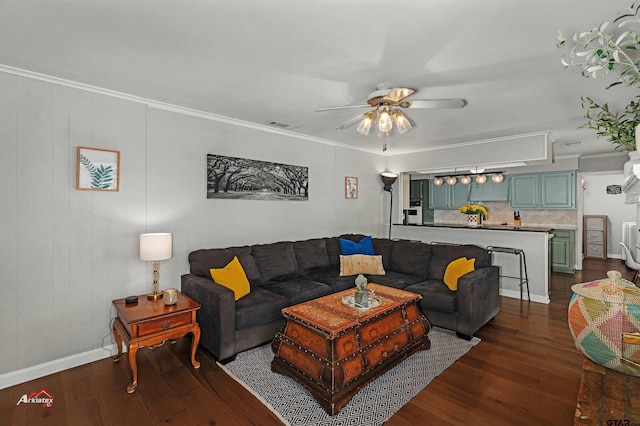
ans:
(443, 254)
(276, 262)
(332, 278)
(298, 290)
(384, 247)
(333, 250)
(364, 246)
(455, 270)
(360, 264)
(311, 255)
(202, 261)
(411, 257)
(435, 296)
(395, 279)
(259, 307)
(233, 277)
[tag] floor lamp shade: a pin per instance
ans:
(156, 246)
(388, 179)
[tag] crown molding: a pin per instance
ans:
(150, 103)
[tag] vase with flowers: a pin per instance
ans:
(475, 214)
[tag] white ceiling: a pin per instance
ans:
(260, 61)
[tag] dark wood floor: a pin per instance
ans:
(525, 371)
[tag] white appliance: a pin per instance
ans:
(630, 238)
(414, 213)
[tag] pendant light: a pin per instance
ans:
(481, 179)
(497, 178)
(466, 180)
(438, 181)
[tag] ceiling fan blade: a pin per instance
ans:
(343, 107)
(435, 103)
(350, 123)
(398, 94)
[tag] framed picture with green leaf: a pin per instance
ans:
(98, 169)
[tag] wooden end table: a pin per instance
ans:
(148, 323)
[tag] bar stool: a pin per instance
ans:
(523, 279)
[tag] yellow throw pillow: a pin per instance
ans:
(456, 269)
(361, 264)
(233, 277)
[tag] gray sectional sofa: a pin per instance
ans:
(286, 273)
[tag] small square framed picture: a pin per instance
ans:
(350, 187)
(98, 169)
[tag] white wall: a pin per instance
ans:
(596, 201)
(65, 254)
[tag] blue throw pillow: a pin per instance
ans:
(365, 246)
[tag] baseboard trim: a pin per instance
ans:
(516, 295)
(35, 372)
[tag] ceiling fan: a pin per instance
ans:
(386, 103)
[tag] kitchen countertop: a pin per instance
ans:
(492, 227)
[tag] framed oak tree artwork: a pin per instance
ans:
(234, 178)
(98, 169)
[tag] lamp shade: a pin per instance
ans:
(155, 246)
(365, 124)
(384, 121)
(388, 179)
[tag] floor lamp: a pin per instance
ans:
(389, 179)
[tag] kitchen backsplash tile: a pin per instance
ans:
(500, 212)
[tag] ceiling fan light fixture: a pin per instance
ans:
(365, 125)
(402, 122)
(384, 121)
(497, 178)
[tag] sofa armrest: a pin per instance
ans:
(478, 299)
(217, 317)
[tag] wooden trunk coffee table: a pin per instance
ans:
(335, 350)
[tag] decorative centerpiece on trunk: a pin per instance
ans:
(363, 297)
(475, 214)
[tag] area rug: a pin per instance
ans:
(373, 405)
(607, 397)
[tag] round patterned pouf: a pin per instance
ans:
(599, 313)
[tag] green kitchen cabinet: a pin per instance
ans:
(543, 191)
(427, 213)
(438, 196)
(489, 191)
(558, 190)
(562, 248)
(459, 195)
(415, 190)
(524, 191)
(448, 196)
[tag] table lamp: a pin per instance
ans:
(155, 247)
